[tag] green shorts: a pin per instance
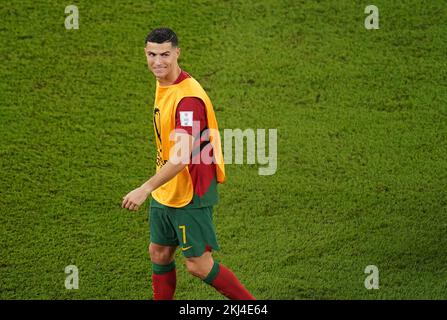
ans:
(191, 228)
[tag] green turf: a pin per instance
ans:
(361, 120)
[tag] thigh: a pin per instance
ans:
(162, 232)
(195, 230)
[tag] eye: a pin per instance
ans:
(165, 54)
(151, 54)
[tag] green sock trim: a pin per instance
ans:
(213, 273)
(160, 268)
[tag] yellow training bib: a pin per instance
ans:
(178, 192)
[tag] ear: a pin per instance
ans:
(177, 50)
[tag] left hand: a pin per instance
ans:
(134, 199)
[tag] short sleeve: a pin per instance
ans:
(191, 112)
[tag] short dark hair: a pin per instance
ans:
(162, 35)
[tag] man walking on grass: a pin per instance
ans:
(184, 188)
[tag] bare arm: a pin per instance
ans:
(134, 199)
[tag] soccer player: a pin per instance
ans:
(184, 188)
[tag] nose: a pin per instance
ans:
(157, 61)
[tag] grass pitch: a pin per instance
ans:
(361, 120)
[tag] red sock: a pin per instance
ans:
(228, 284)
(163, 285)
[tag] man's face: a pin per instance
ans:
(161, 58)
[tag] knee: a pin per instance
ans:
(199, 267)
(159, 254)
(194, 268)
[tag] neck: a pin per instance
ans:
(170, 78)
